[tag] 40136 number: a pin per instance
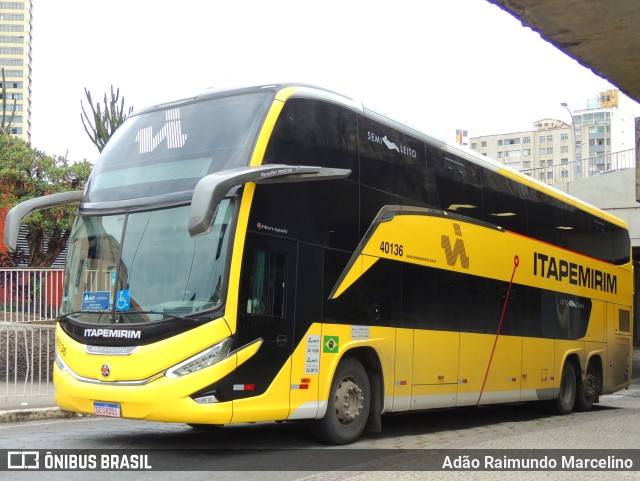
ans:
(391, 248)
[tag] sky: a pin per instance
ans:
(436, 65)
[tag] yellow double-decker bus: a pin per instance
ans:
(282, 253)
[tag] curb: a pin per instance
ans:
(20, 415)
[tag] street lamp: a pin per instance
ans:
(578, 168)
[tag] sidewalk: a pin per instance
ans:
(15, 407)
(17, 404)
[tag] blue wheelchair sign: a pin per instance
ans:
(123, 300)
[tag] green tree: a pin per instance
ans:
(27, 173)
(103, 122)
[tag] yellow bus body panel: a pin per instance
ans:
(440, 242)
(161, 399)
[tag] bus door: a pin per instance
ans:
(266, 312)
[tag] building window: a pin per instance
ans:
(11, 39)
(500, 142)
(549, 138)
(564, 173)
(11, 28)
(542, 151)
(13, 73)
(526, 140)
(549, 150)
(500, 154)
(11, 51)
(12, 17)
(484, 143)
(564, 160)
(542, 163)
(526, 164)
(512, 141)
(564, 149)
(526, 152)
(11, 62)
(474, 146)
(13, 95)
(564, 136)
(12, 85)
(12, 5)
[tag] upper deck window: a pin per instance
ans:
(168, 150)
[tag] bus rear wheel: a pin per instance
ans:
(348, 406)
(566, 399)
(587, 392)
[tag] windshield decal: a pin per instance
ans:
(171, 130)
(95, 301)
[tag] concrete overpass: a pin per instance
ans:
(602, 35)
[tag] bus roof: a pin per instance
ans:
(285, 91)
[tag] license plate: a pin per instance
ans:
(111, 410)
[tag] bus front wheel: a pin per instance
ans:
(566, 399)
(348, 405)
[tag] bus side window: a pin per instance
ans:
(263, 282)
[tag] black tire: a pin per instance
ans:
(566, 399)
(348, 405)
(588, 389)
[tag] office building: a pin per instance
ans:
(15, 59)
(600, 138)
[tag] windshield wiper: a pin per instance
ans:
(160, 313)
(74, 313)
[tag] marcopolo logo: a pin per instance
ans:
(458, 251)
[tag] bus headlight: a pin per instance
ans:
(203, 359)
(60, 363)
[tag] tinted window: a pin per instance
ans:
(504, 202)
(309, 132)
(458, 184)
(392, 161)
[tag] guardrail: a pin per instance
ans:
(579, 169)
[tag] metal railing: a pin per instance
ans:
(29, 303)
(26, 359)
(579, 169)
(30, 295)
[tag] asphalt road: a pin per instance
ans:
(408, 445)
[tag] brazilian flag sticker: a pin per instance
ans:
(330, 344)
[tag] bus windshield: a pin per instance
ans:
(169, 150)
(144, 266)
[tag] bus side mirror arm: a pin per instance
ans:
(23, 209)
(210, 190)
